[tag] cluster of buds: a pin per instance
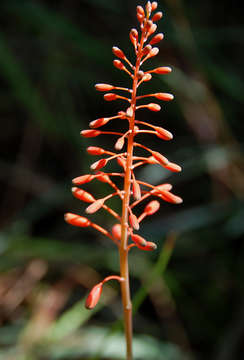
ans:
(133, 191)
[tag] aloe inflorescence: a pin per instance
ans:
(126, 144)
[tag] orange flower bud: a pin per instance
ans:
(121, 162)
(163, 187)
(146, 50)
(129, 112)
(134, 36)
(140, 17)
(90, 133)
(99, 122)
(148, 8)
(160, 158)
(169, 197)
(94, 296)
(95, 150)
(134, 221)
(95, 206)
(154, 5)
(164, 96)
(148, 24)
(119, 143)
(157, 16)
(134, 33)
(151, 30)
(157, 38)
(138, 240)
(76, 220)
(152, 207)
(104, 87)
(163, 134)
(83, 179)
(147, 77)
(117, 52)
(154, 107)
(98, 164)
(149, 246)
(82, 195)
(153, 52)
(173, 167)
(110, 97)
(162, 70)
(118, 64)
(116, 231)
(140, 10)
(136, 190)
(140, 74)
(103, 178)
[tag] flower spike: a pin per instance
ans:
(125, 184)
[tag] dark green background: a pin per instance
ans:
(51, 55)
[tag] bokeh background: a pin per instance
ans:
(188, 295)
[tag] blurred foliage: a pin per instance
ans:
(51, 55)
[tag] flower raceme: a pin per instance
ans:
(132, 192)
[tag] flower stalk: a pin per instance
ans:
(133, 191)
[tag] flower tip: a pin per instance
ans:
(110, 96)
(119, 143)
(98, 164)
(134, 221)
(154, 107)
(153, 52)
(95, 206)
(154, 5)
(136, 189)
(82, 195)
(104, 87)
(152, 207)
(118, 64)
(160, 158)
(117, 52)
(151, 246)
(146, 77)
(129, 112)
(76, 220)
(163, 134)
(157, 16)
(173, 167)
(82, 179)
(138, 240)
(162, 70)
(157, 38)
(171, 198)
(164, 96)
(98, 122)
(94, 296)
(95, 150)
(90, 133)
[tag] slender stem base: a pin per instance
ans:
(127, 307)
